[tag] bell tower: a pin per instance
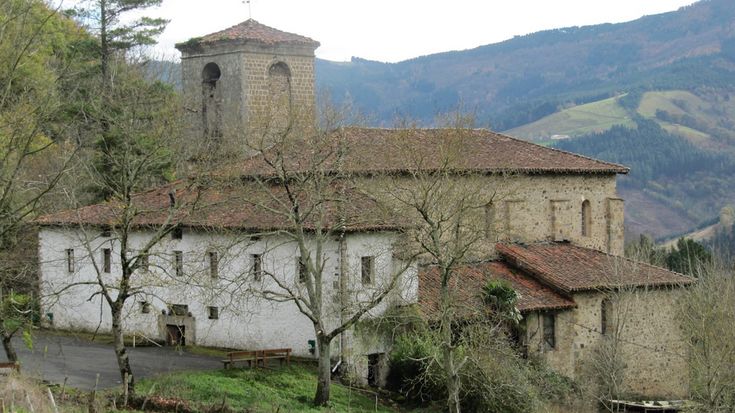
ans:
(248, 76)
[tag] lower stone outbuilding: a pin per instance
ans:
(588, 314)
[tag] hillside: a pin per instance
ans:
(674, 184)
(676, 69)
(528, 77)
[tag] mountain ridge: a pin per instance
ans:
(566, 63)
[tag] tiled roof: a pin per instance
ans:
(395, 150)
(467, 286)
(571, 268)
(228, 207)
(252, 30)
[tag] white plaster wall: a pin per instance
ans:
(246, 320)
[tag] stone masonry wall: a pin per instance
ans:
(645, 325)
(243, 85)
(543, 208)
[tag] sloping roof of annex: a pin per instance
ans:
(544, 275)
(466, 286)
(568, 268)
(384, 150)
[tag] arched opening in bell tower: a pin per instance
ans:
(279, 92)
(211, 98)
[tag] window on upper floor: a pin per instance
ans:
(257, 266)
(368, 269)
(213, 313)
(213, 264)
(70, 259)
(145, 307)
(549, 322)
(144, 262)
(181, 310)
(106, 260)
(302, 269)
(586, 218)
(177, 233)
(178, 263)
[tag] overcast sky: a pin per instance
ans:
(396, 30)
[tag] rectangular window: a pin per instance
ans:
(179, 263)
(213, 313)
(549, 331)
(145, 307)
(302, 269)
(177, 233)
(106, 260)
(368, 266)
(70, 260)
(257, 269)
(213, 264)
(106, 231)
(144, 262)
(181, 310)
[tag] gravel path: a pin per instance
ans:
(54, 356)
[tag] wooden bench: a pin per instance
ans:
(7, 368)
(237, 356)
(279, 353)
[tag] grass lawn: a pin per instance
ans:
(285, 389)
(592, 117)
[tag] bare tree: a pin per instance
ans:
(298, 176)
(446, 204)
(33, 153)
(144, 120)
(705, 311)
(631, 295)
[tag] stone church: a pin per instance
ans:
(555, 233)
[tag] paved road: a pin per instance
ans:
(53, 357)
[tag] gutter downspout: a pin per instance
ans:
(342, 295)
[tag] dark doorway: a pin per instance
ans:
(176, 335)
(373, 360)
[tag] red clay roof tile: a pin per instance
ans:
(571, 268)
(370, 150)
(467, 285)
(252, 30)
(229, 207)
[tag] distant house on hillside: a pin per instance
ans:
(557, 235)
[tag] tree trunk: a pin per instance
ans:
(447, 348)
(8, 346)
(453, 383)
(323, 385)
(123, 361)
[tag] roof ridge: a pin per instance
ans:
(523, 264)
(253, 30)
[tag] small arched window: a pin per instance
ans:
(586, 218)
